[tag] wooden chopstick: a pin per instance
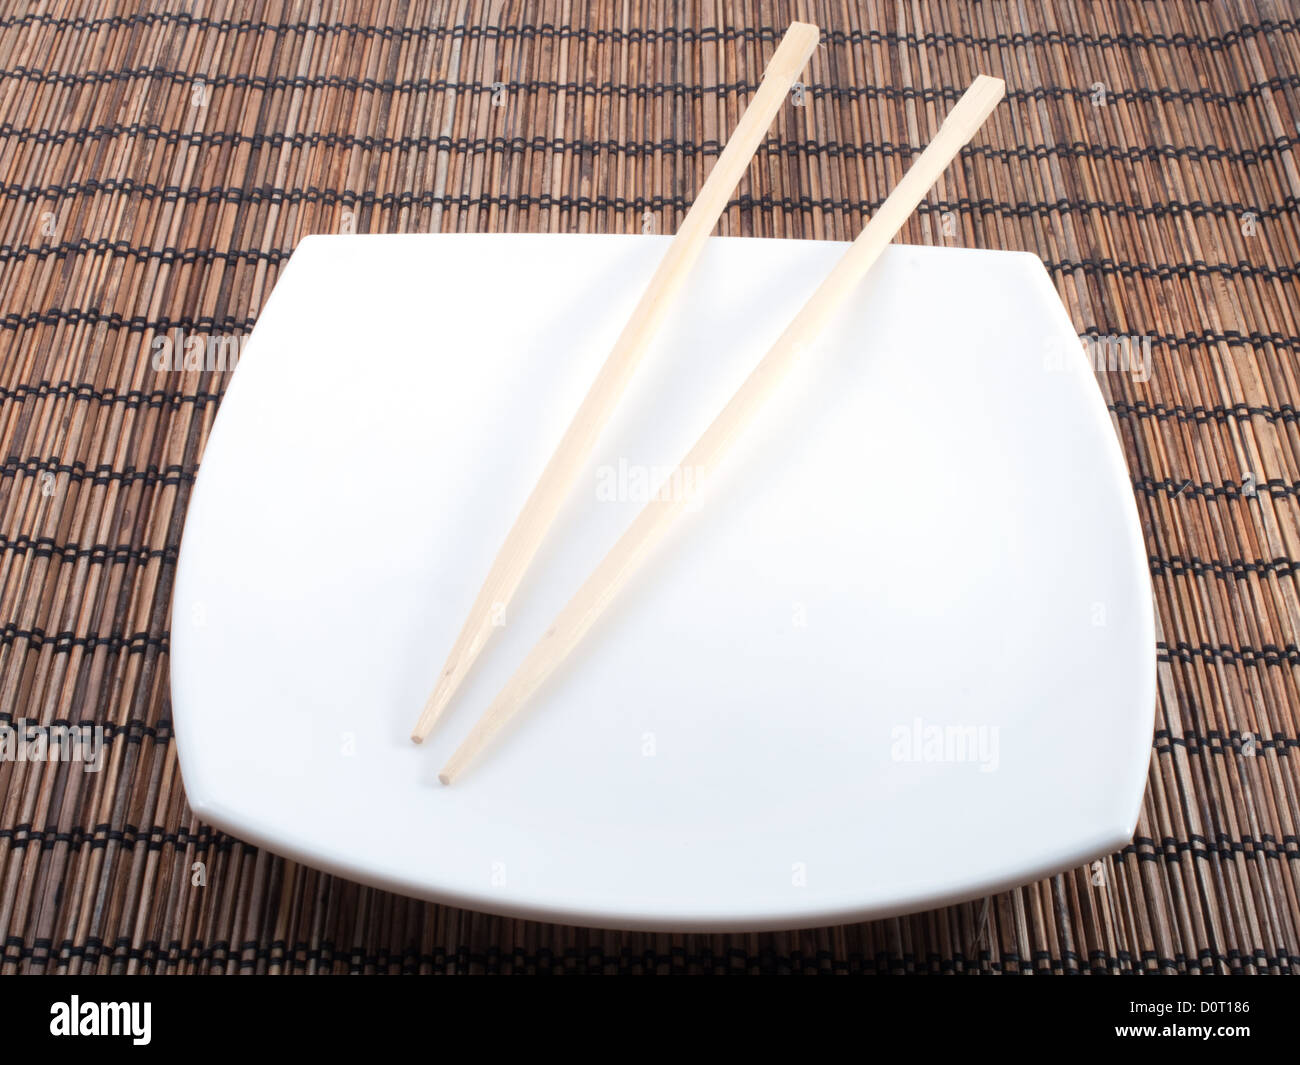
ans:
(649, 526)
(542, 505)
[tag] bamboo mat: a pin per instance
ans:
(158, 167)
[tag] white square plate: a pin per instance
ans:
(900, 654)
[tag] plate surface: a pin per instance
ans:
(899, 652)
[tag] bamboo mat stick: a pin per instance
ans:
(976, 104)
(542, 505)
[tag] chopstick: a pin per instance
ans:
(976, 104)
(539, 510)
